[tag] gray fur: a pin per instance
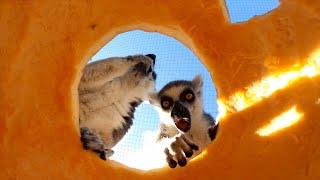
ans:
(173, 84)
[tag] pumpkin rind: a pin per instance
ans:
(44, 46)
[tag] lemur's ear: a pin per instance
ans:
(197, 83)
(153, 98)
(152, 56)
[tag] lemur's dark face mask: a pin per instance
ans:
(181, 117)
(180, 113)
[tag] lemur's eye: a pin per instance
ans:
(166, 102)
(189, 96)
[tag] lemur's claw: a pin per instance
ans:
(103, 155)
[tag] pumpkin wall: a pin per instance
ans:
(266, 71)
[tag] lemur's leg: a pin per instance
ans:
(137, 76)
(94, 142)
(97, 73)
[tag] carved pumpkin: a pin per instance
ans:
(266, 72)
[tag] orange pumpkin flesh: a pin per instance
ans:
(45, 45)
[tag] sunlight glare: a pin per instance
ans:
(284, 120)
(268, 85)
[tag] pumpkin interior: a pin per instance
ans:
(44, 46)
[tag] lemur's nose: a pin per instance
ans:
(181, 117)
(179, 110)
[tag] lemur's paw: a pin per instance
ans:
(145, 68)
(212, 131)
(179, 150)
(92, 141)
(142, 68)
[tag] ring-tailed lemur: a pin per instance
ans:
(179, 104)
(109, 92)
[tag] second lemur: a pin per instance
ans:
(109, 92)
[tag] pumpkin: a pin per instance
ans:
(266, 71)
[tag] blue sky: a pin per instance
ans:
(174, 61)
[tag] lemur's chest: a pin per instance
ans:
(199, 132)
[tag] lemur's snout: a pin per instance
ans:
(181, 117)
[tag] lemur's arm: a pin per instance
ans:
(98, 73)
(167, 131)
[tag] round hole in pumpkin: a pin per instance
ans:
(174, 61)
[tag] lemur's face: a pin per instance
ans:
(182, 101)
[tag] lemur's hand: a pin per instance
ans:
(179, 150)
(143, 74)
(144, 67)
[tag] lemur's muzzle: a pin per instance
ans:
(181, 117)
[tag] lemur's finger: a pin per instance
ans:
(176, 148)
(171, 162)
(190, 143)
(185, 147)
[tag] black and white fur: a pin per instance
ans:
(200, 128)
(109, 92)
